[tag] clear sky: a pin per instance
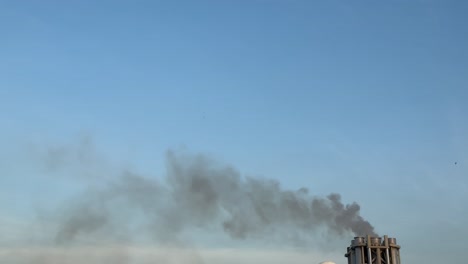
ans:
(365, 98)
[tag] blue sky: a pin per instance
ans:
(364, 98)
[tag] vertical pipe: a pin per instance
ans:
(363, 255)
(358, 255)
(378, 257)
(387, 257)
(394, 255)
(369, 255)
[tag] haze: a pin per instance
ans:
(359, 106)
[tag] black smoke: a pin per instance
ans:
(199, 193)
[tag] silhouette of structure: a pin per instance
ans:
(373, 250)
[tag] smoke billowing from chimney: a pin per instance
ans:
(200, 193)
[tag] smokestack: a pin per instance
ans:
(373, 250)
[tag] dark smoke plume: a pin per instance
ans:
(199, 193)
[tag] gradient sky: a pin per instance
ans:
(365, 98)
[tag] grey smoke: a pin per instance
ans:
(199, 193)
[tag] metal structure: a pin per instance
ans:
(373, 250)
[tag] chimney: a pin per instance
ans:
(373, 250)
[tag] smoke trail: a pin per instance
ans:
(200, 193)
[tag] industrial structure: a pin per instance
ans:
(373, 250)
